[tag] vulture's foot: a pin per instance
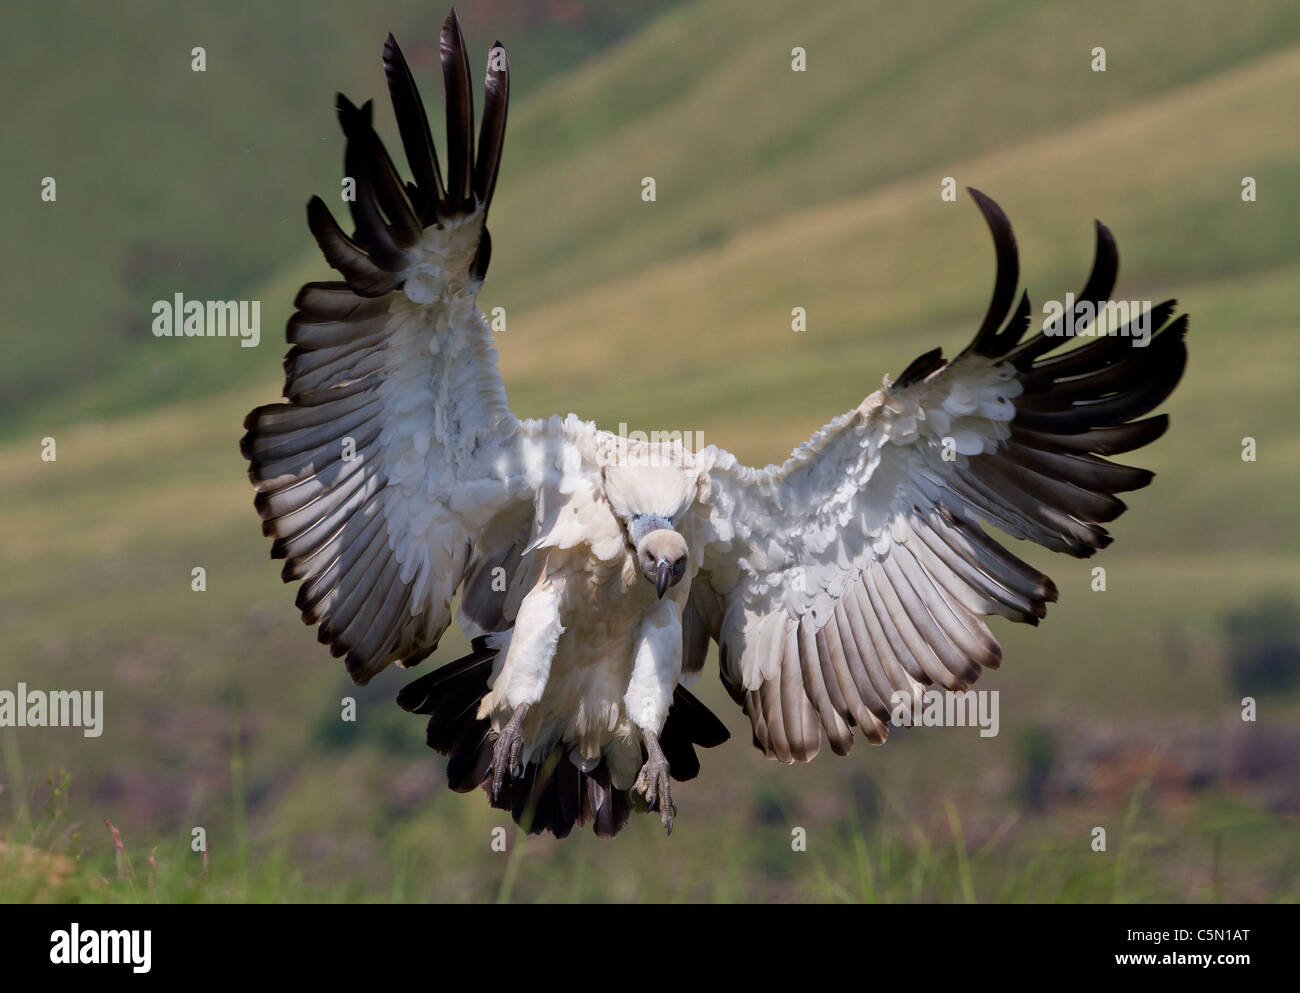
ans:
(508, 752)
(653, 781)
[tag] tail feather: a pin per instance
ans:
(471, 757)
(689, 723)
(552, 794)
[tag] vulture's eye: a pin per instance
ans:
(679, 568)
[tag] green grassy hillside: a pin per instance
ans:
(775, 190)
(174, 180)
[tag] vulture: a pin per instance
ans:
(591, 572)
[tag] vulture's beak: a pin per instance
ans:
(662, 577)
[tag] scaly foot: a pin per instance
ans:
(508, 751)
(653, 781)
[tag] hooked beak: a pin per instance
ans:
(662, 577)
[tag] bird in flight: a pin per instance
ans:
(591, 572)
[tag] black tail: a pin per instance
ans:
(553, 794)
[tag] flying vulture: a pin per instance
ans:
(591, 572)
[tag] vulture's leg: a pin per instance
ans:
(653, 780)
(655, 670)
(508, 751)
(523, 676)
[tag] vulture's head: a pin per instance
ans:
(661, 557)
(650, 501)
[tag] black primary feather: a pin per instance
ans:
(413, 124)
(492, 132)
(460, 115)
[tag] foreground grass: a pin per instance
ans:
(1202, 855)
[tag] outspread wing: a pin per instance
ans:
(860, 568)
(395, 468)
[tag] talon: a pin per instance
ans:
(517, 754)
(508, 752)
(653, 781)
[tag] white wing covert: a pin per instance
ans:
(860, 569)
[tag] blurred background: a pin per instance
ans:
(775, 189)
